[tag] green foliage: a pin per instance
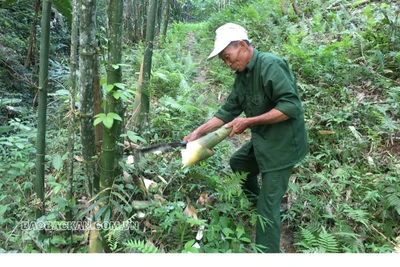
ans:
(64, 6)
(106, 119)
(316, 242)
(139, 246)
(343, 197)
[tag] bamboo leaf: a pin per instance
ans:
(118, 207)
(100, 212)
(91, 207)
(3, 209)
(107, 216)
(120, 197)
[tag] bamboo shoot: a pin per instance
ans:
(201, 148)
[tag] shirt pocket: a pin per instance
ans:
(258, 105)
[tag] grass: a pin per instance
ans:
(342, 198)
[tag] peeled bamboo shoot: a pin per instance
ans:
(201, 148)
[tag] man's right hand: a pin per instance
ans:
(192, 136)
(211, 125)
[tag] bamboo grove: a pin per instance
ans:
(87, 84)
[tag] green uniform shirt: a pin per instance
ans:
(268, 83)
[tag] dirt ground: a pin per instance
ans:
(287, 239)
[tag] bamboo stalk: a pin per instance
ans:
(42, 109)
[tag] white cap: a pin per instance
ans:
(225, 35)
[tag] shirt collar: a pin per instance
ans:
(253, 60)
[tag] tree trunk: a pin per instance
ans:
(98, 99)
(165, 19)
(295, 7)
(42, 109)
(130, 20)
(72, 93)
(145, 92)
(137, 21)
(144, 18)
(157, 24)
(136, 103)
(32, 38)
(87, 43)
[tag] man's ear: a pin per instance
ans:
(242, 44)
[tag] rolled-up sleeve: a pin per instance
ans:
(231, 109)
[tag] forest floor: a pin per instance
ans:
(236, 142)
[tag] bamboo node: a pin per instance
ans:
(82, 115)
(108, 149)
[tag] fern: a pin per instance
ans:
(141, 246)
(327, 242)
(316, 242)
(314, 226)
(171, 102)
(393, 198)
(230, 186)
(359, 215)
(351, 242)
(307, 239)
(113, 240)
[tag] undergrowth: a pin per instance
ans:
(342, 198)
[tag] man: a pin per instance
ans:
(265, 90)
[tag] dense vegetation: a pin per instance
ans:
(344, 197)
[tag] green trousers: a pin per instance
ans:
(267, 198)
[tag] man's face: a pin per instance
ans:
(233, 57)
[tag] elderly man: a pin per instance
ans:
(265, 90)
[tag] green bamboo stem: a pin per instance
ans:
(42, 109)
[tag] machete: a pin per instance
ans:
(157, 148)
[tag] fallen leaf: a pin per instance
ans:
(160, 200)
(79, 158)
(130, 160)
(326, 132)
(202, 199)
(149, 183)
(190, 210)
